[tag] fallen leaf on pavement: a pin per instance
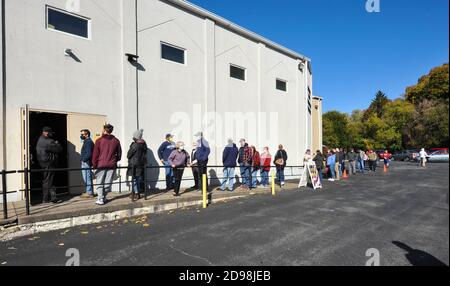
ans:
(33, 238)
(65, 232)
(85, 232)
(61, 244)
(146, 225)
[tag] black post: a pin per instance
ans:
(27, 192)
(5, 193)
(145, 182)
(120, 180)
(250, 178)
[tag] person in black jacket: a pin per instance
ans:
(280, 162)
(47, 150)
(86, 162)
(318, 160)
(137, 162)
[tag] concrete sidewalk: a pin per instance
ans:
(76, 211)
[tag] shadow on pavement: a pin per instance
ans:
(418, 257)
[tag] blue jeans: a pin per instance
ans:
(169, 175)
(136, 183)
(255, 177)
(264, 178)
(228, 177)
(320, 175)
(280, 175)
(332, 169)
(361, 166)
(245, 174)
(87, 177)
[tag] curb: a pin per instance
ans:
(32, 226)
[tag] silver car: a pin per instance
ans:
(440, 156)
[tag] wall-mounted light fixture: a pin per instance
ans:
(132, 58)
(301, 66)
(69, 53)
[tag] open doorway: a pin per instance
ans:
(58, 122)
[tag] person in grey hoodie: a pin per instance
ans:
(179, 159)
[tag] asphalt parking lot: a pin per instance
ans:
(404, 215)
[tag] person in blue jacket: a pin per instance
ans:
(331, 162)
(86, 162)
(164, 152)
(229, 158)
(202, 155)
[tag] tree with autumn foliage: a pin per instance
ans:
(419, 119)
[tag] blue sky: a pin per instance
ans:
(354, 53)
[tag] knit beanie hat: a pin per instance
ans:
(138, 134)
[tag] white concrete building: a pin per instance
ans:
(65, 65)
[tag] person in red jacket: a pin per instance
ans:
(107, 153)
(266, 160)
(256, 166)
(387, 158)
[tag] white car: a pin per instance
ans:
(440, 156)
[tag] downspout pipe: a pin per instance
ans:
(3, 15)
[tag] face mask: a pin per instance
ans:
(181, 148)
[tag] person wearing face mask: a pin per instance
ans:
(48, 150)
(86, 163)
(178, 160)
(164, 152)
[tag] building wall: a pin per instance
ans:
(173, 98)
(40, 75)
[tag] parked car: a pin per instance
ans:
(402, 156)
(440, 156)
(413, 155)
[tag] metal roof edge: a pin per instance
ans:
(236, 28)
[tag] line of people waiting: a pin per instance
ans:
(351, 161)
(104, 155)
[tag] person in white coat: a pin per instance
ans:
(423, 157)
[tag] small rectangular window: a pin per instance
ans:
(173, 54)
(281, 85)
(66, 22)
(237, 72)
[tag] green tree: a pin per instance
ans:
(399, 115)
(433, 86)
(431, 124)
(335, 129)
(377, 105)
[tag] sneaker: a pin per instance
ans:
(99, 203)
(282, 183)
(331, 180)
(86, 196)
